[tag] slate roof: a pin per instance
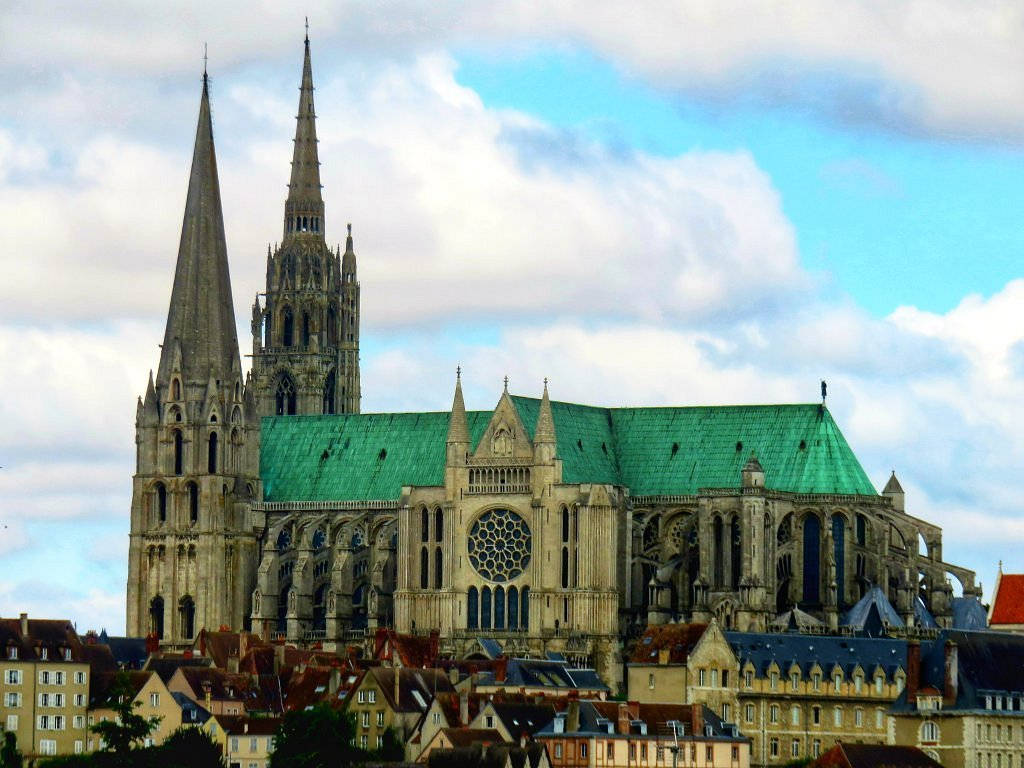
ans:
(53, 635)
(969, 613)
(828, 651)
(1008, 601)
(520, 717)
(541, 673)
(168, 664)
(652, 451)
(872, 613)
(101, 684)
(988, 663)
(416, 689)
(464, 737)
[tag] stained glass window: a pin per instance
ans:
(499, 545)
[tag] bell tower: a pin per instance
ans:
(305, 333)
(191, 558)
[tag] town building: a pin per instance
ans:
(964, 701)
(270, 501)
(44, 686)
(247, 742)
(150, 698)
(627, 734)
(873, 756)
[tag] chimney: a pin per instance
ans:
(913, 670)
(952, 667)
(663, 656)
(697, 719)
(24, 625)
(207, 695)
(572, 720)
(243, 644)
(334, 682)
(453, 675)
(202, 642)
(623, 724)
(398, 687)
(464, 708)
(500, 669)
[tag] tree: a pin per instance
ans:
(320, 737)
(392, 750)
(128, 729)
(10, 757)
(189, 748)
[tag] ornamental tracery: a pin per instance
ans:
(499, 545)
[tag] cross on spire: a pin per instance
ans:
(458, 372)
(506, 383)
(204, 60)
(307, 29)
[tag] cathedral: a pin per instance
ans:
(268, 501)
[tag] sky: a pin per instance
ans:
(648, 203)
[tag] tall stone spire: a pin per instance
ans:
(200, 336)
(458, 427)
(545, 430)
(304, 208)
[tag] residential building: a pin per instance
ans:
(451, 738)
(540, 677)
(630, 734)
(150, 698)
(495, 756)
(964, 701)
(247, 742)
(44, 686)
(393, 698)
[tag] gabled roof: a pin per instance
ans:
(410, 650)
(1008, 600)
(523, 717)
(416, 687)
(872, 614)
(102, 683)
(463, 737)
(53, 636)
(167, 664)
(651, 451)
(827, 651)
(541, 673)
(679, 639)
(795, 620)
(874, 756)
(969, 613)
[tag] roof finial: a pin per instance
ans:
(204, 66)
(824, 391)
(307, 29)
(458, 373)
(506, 384)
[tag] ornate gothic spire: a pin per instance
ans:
(304, 209)
(458, 426)
(545, 430)
(201, 318)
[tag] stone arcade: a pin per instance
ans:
(542, 526)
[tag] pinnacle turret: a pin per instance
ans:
(201, 318)
(348, 260)
(545, 430)
(304, 208)
(458, 427)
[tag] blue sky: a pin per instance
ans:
(697, 204)
(884, 215)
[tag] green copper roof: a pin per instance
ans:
(649, 450)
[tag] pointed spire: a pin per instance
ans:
(458, 426)
(545, 430)
(201, 319)
(348, 261)
(304, 209)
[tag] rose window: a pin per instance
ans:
(499, 545)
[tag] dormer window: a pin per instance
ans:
(44, 653)
(12, 652)
(67, 654)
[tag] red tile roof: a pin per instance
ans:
(1008, 601)
(679, 639)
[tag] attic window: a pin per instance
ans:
(675, 448)
(383, 454)
(739, 446)
(803, 445)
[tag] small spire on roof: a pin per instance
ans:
(307, 29)
(824, 391)
(458, 373)
(506, 384)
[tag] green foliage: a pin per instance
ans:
(393, 750)
(127, 730)
(189, 748)
(321, 737)
(10, 756)
(67, 761)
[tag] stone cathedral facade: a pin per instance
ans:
(271, 502)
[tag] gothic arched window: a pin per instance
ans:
(485, 608)
(472, 608)
(424, 568)
(424, 525)
(812, 560)
(161, 502)
(175, 389)
(187, 612)
(305, 329)
(438, 524)
(524, 612)
(565, 567)
(178, 449)
(156, 617)
(565, 525)
(438, 568)
(211, 456)
(193, 502)
(288, 335)
(499, 608)
(285, 396)
(329, 388)
(320, 608)
(513, 608)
